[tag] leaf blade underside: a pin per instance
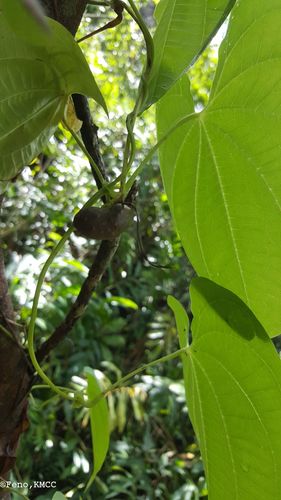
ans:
(234, 396)
(34, 86)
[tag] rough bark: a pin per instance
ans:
(67, 12)
(13, 389)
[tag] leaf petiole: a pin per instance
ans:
(155, 148)
(137, 371)
(65, 393)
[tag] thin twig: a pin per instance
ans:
(111, 24)
(101, 262)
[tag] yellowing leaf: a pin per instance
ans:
(70, 116)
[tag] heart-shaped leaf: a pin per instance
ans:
(226, 190)
(234, 396)
(34, 87)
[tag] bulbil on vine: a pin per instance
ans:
(103, 223)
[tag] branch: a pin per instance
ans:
(70, 17)
(7, 315)
(89, 134)
(101, 262)
(118, 8)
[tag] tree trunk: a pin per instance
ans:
(67, 12)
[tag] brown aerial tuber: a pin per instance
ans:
(105, 223)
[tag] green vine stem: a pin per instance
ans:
(155, 148)
(63, 392)
(121, 382)
(31, 328)
(130, 147)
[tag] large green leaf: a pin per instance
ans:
(184, 29)
(99, 424)
(169, 110)
(234, 396)
(27, 19)
(227, 175)
(34, 86)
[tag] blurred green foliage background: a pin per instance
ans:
(153, 452)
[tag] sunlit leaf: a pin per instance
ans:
(54, 236)
(77, 265)
(34, 87)
(176, 104)
(234, 396)
(226, 190)
(99, 424)
(123, 301)
(184, 29)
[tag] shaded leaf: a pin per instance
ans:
(182, 323)
(182, 320)
(35, 84)
(234, 396)
(27, 20)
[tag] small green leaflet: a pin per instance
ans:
(122, 301)
(182, 323)
(34, 87)
(226, 188)
(99, 424)
(234, 396)
(184, 29)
